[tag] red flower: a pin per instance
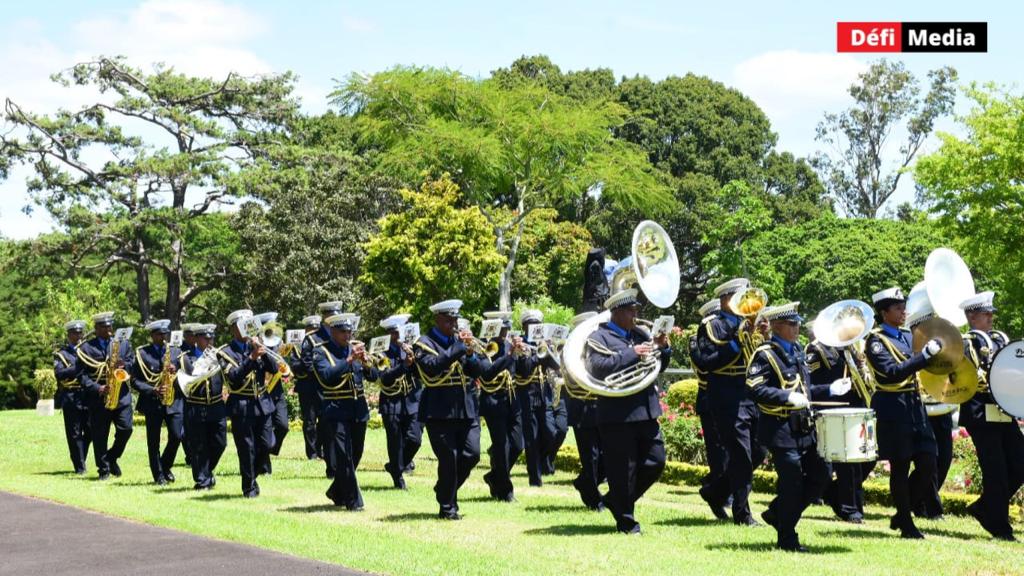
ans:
(967, 482)
(964, 433)
(671, 417)
(700, 433)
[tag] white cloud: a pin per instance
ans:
(196, 37)
(789, 83)
(355, 24)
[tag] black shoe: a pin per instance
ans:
(632, 531)
(104, 476)
(449, 516)
(748, 521)
(213, 481)
(161, 481)
(793, 548)
(115, 468)
(410, 467)
(80, 471)
(400, 484)
(330, 496)
(354, 507)
(769, 518)
(169, 476)
(200, 487)
(252, 494)
(510, 498)
(911, 532)
(718, 510)
(853, 519)
(330, 475)
(600, 507)
(1006, 536)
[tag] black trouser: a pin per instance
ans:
(803, 476)
(279, 420)
(325, 435)
(100, 420)
(737, 429)
(715, 484)
(846, 492)
(538, 431)
(634, 456)
(253, 436)
(929, 504)
(907, 488)
(77, 433)
(347, 446)
(553, 442)
(588, 443)
(505, 426)
(309, 407)
(206, 438)
(160, 464)
(456, 444)
(404, 437)
(1000, 450)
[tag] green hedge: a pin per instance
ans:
(680, 473)
(682, 392)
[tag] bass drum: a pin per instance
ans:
(1006, 378)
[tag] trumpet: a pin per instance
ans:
(378, 361)
(488, 349)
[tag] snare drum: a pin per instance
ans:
(1006, 378)
(846, 435)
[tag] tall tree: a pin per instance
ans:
(887, 94)
(974, 185)
(518, 148)
(153, 159)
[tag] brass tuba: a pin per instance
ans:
(844, 325)
(654, 268)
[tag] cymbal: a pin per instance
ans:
(952, 352)
(956, 387)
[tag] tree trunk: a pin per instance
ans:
(142, 282)
(505, 287)
(172, 301)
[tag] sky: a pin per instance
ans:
(781, 54)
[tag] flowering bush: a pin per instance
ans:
(684, 440)
(966, 458)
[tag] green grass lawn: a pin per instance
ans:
(546, 532)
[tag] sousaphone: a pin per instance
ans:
(654, 268)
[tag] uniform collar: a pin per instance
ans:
(195, 352)
(729, 316)
(786, 346)
(239, 346)
(441, 339)
(894, 332)
(617, 329)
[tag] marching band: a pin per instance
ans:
(758, 391)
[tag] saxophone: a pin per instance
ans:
(115, 376)
(167, 380)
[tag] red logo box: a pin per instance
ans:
(869, 36)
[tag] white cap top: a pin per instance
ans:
(981, 302)
(159, 326)
(447, 307)
(75, 326)
(531, 315)
(787, 311)
(313, 320)
(394, 322)
(238, 315)
(709, 307)
(103, 318)
(267, 317)
(622, 298)
(893, 293)
(734, 285)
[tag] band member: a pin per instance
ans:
(904, 435)
(96, 359)
(399, 402)
(322, 334)
(534, 400)
(558, 415)
(449, 406)
(188, 336)
(206, 430)
(721, 356)
(310, 401)
(714, 489)
(70, 397)
(845, 494)
(581, 411)
(780, 383)
(996, 435)
(634, 450)
(500, 410)
(246, 364)
(277, 385)
(153, 376)
(340, 369)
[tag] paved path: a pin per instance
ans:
(40, 537)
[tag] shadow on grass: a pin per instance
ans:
(409, 516)
(479, 499)
(952, 533)
(572, 530)
(554, 508)
(826, 516)
(221, 496)
(860, 533)
(312, 508)
(67, 473)
(768, 547)
(380, 488)
(686, 521)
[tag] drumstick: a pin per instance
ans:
(829, 403)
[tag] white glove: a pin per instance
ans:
(931, 348)
(840, 387)
(798, 400)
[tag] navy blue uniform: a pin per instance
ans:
(346, 414)
(721, 356)
(276, 389)
(71, 401)
(449, 408)
(92, 373)
(997, 439)
(533, 392)
(206, 430)
(631, 440)
(249, 407)
(325, 433)
(145, 378)
(581, 414)
(846, 493)
(904, 434)
(310, 403)
(500, 409)
(399, 407)
(560, 429)
(776, 370)
(715, 487)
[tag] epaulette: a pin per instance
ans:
(425, 348)
(707, 318)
